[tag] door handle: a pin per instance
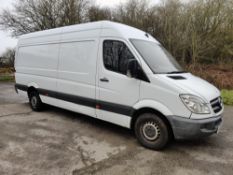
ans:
(104, 79)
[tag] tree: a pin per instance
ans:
(95, 13)
(8, 58)
(33, 15)
(133, 13)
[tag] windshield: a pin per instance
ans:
(157, 57)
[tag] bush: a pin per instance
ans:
(227, 96)
(220, 75)
(7, 70)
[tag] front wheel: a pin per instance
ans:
(151, 131)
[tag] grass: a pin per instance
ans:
(6, 78)
(6, 74)
(227, 96)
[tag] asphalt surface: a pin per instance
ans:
(59, 142)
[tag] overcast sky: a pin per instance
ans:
(5, 38)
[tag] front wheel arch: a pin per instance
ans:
(141, 111)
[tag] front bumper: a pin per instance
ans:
(184, 128)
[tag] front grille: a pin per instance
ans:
(216, 104)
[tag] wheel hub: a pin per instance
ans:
(151, 131)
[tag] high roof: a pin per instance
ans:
(109, 29)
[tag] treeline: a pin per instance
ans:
(199, 31)
(7, 58)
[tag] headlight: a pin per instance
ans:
(195, 104)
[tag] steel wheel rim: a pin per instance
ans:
(151, 131)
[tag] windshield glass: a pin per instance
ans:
(157, 57)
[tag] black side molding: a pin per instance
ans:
(102, 105)
(21, 87)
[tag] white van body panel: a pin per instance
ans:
(150, 103)
(36, 64)
(50, 101)
(166, 94)
(118, 119)
(78, 78)
(36, 38)
(33, 84)
(195, 85)
(124, 31)
(66, 66)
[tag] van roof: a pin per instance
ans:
(112, 29)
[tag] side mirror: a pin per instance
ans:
(132, 68)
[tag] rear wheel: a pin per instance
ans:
(151, 131)
(35, 101)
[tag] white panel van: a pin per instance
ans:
(118, 74)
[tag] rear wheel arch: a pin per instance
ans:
(34, 99)
(32, 87)
(30, 90)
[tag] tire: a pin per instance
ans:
(35, 101)
(151, 131)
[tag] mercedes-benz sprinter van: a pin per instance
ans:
(118, 74)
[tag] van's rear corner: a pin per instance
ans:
(21, 81)
(17, 79)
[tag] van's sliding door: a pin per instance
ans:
(76, 76)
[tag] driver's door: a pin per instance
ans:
(116, 92)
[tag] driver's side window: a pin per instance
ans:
(116, 56)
